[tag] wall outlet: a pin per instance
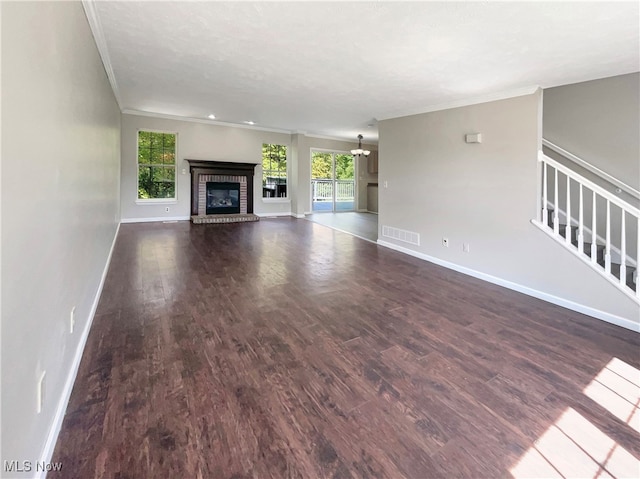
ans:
(465, 247)
(445, 242)
(72, 320)
(166, 209)
(40, 392)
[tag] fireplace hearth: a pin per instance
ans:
(221, 192)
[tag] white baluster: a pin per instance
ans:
(594, 238)
(555, 203)
(607, 250)
(567, 231)
(623, 251)
(581, 222)
(545, 213)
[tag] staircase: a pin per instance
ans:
(593, 223)
(587, 250)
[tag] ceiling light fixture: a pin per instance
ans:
(250, 122)
(359, 151)
(212, 116)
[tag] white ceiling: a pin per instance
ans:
(334, 68)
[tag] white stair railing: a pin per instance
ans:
(602, 204)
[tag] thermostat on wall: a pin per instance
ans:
(473, 138)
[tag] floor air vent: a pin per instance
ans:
(401, 235)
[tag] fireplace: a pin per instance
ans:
(223, 198)
(221, 192)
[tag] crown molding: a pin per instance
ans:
(98, 36)
(503, 95)
(343, 139)
(166, 116)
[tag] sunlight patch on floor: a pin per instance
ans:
(574, 447)
(617, 389)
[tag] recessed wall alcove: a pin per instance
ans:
(221, 191)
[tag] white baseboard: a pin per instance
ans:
(300, 217)
(271, 215)
(585, 259)
(156, 219)
(596, 313)
(362, 210)
(54, 431)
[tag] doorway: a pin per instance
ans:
(333, 181)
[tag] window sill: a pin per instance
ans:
(276, 200)
(159, 201)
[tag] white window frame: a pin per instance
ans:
(275, 199)
(356, 164)
(156, 201)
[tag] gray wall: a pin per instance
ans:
(598, 121)
(196, 141)
(482, 194)
(207, 141)
(60, 195)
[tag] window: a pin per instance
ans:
(333, 181)
(156, 165)
(274, 171)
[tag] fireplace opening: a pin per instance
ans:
(223, 198)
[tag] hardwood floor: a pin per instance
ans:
(360, 224)
(285, 349)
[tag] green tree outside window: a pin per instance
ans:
(274, 170)
(156, 165)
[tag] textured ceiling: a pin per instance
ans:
(334, 68)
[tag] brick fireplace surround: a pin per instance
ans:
(221, 171)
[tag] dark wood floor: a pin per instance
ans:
(286, 349)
